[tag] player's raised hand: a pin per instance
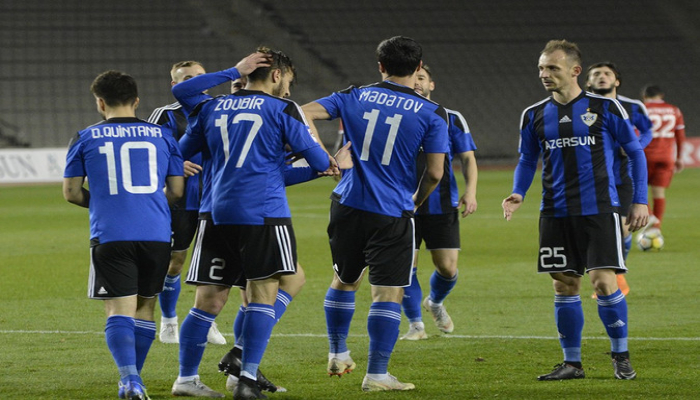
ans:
(467, 200)
(253, 62)
(511, 204)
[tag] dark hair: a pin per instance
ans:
(569, 48)
(608, 64)
(652, 91)
(115, 88)
(278, 60)
(399, 55)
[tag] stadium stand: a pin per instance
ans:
(484, 53)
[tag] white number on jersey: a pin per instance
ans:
(222, 124)
(663, 126)
(125, 159)
(393, 123)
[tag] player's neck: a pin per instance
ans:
(120, 112)
(409, 81)
(567, 95)
(260, 86)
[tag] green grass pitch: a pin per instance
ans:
(52, 341)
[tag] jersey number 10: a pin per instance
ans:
(125, 161)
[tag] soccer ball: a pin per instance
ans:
(650, 240)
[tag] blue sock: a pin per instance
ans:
(568, 315)
(412, 297)
(238, 326)
(119, 333)
(168, 297)
(145, 334)
(281, 304)
(340, 307)
(440, 286)
(193, 340)
(383, 328)
(613, 312)
(257, 328)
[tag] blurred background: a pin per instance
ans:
(483, 54)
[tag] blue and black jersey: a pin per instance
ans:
(173, 117)
(245, 134)
(387, 124)
(640, 119)
(445, 197)
(577, 141)
(126, 161)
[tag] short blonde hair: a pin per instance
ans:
(569, 48)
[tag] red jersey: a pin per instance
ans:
(668, 129)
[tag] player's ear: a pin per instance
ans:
(576, 70)
(276, 75)
(136, 103)
(420, 65)
(381, 67)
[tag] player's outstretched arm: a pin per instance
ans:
(511, 204)
(470, 173)
(74, 192)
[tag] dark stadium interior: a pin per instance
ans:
(483, 54)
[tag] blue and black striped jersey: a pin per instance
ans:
(640, 119)
(173, 117)
(576, 141)
(445, 197)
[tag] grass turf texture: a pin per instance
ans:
(52, 341)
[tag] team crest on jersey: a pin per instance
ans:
(589, 118)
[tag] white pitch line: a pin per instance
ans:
(316, 335)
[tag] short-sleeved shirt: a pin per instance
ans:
(126, 161)
(387, 124)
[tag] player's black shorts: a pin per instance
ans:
(227, 255)
(624, 192)
(579, 244)
(360, 238)
(120, 269)
(183, 224)
(439, 231)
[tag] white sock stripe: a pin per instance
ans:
(385, 314)
(150, 325)
(611, 302)
(338, 304)
(201, 316)
(264, 310)
(567, 299)
(283, 299)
